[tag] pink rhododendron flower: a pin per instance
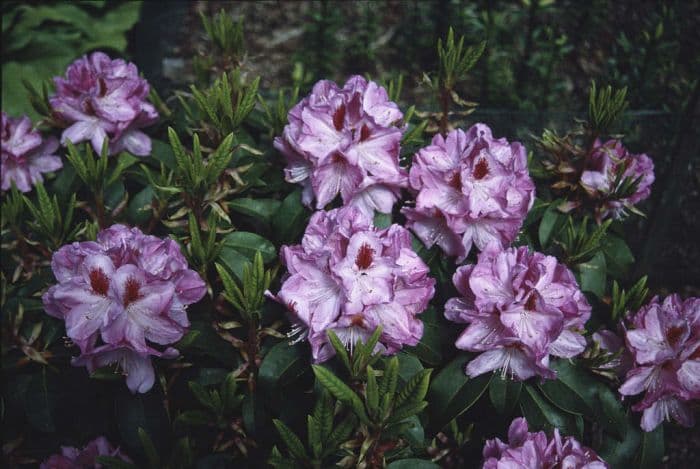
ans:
(603, 166)
(121, 295)
(350, 277)
(665, 341)
(25, 154)
(534, 450)
(345, 141)
(74, 458)
(99, 98)
(472, 190)
(521, 307)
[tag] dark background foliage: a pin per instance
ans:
(540, 58)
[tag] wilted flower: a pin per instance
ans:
(665, 341)
(127, 290)
(349, 277)
(521, 308)
(345, 141)
(605, 170)
(74, 458)
(534, 450)
(25, 155)
(101, 97)
(472, 190)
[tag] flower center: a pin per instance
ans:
(357, 320)
(674, 334)
(131, 292)
(364, 133)
(339, 117)
(455, 181)
(99, 282)
(102, 87)
(481, 169)
(364, 256)
(531, 303)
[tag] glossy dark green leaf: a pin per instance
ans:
(282, 365)
(409, 365)
(248, 244)
(139, 210)
(551, 221)
(288, 221)
(618, 256)
(429, 348)
(262, 209)
(651, 451)
(542, 415)
(593, 275)
(452, 392)
(144, 411)
(40, 401)
(504, 393)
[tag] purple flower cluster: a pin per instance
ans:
(534, 450)
(100, 98)
(521, 308)
(74, 458)
(349, 277)
(601, 170)
(25, 155)
(120, 295)
(345, 140)
(472, 190)
(665, 342)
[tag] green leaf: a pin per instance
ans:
(149, 448)
(651, 451)
(340, 350)
(452, 392)
(288, 221)
(407, 410)
(202, 395)
(543, 415)
(372, 392)
(114, 462)
(618, 256)
(409, 365)
(194, 418)
(413, 463)
(415, 389)
(593, 275)
(551, 222)
(382, 220)
(429, 348)
(293, 443)
(139, 209)
(281, 366)
(240, 247)
(141, 411)
(340, 391)
(40, 401)
(504, 394)
(261, 209)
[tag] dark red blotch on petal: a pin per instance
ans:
(364, 256)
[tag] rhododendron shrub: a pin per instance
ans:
(120, 296)
(25, 154)
(521, 308)
(351, 278)
(664, 339)
(345, 141)
(472, 190)
(530, 449)
(347, 280)
(102, 98)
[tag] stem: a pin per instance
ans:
(445, 101)
(252, 350)
(100, 209)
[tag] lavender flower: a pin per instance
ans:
(665, 341)
(100, 98)
(25, 155)
(121, 294)
(604, 166)
(74, 458)
(521, 308)
(349, 277)
(534, 450)
(345, 141)
(472, 190)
